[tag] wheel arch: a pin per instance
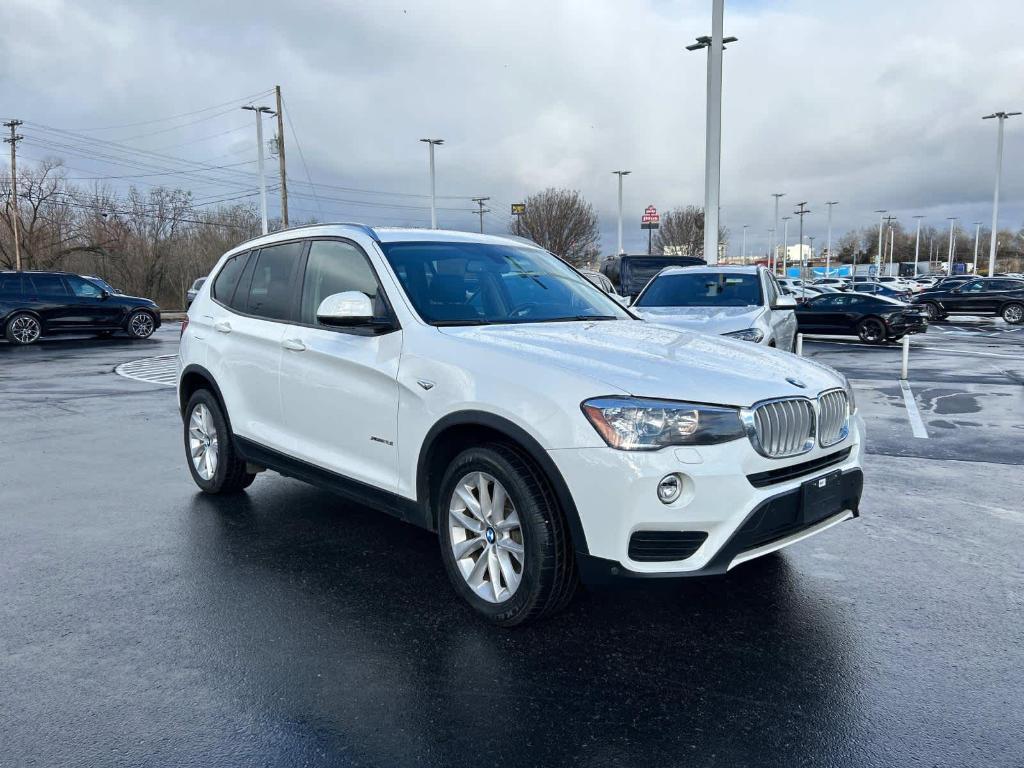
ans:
(20, 311)
(457, 431)
(193, 378)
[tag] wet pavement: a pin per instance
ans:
(144, 624)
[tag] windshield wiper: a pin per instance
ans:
(445, 323)
(573, 318)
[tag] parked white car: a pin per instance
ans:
(840, 283)
(482, 388)
(742, 302)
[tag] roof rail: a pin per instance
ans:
(365, 228)
(522, 239)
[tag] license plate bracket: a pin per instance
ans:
(821, 497)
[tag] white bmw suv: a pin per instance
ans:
(480, 387)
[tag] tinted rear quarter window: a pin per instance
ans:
(272, 290)
(11, 285)
(227, 278)
(49, 285)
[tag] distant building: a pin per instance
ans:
(796, 253)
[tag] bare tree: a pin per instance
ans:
(561, 221)
(682, 232)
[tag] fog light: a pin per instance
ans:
(669, 488)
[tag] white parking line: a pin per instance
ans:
(162, 370)
(916, 423)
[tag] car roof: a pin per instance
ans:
(707, 269)
(382, 235)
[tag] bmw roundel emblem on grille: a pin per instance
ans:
(796, 382)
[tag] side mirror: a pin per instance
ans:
(104, 294)
(785, 302)
(623, 300)
(347, 309)
(955, 290)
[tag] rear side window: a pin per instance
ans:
(273, 281)
(227, 278)
(11, 285)
(49, 285)
(335, 266)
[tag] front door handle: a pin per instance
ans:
(223, 326)
(295, 345)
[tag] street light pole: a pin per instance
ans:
(995, 199)
(785, 243)
(433, 188)
(260, 111)
(745, 226)
(977, 235)
(917, 244)
(620, 174)
(828, 252)
(890, 220)
(878, 258)
(771, 249)
(952, 220)
(713, 132)
(775, 229)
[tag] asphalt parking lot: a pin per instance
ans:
(144, 624)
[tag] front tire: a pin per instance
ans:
(140, 324)
(210, 451)
(871, 331)
(932, 310)
(1013, 313)
(504, 541)
(23, 329)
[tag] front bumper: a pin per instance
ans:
(736, 504)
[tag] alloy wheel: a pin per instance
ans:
(486, 537)
(25, 329)
(202, 442)
(872, 331)
(1013, 313)
(141, 325)
(932, 311)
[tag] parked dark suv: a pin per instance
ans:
(34, 304)
(1000, 296)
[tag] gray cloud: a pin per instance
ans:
(875, 104)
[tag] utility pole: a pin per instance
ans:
(620, 174)
(828, 252)
(890, 220)
(801, 212)
(280, 158)
(917, 244)
(433, 187)
(260, 111)
(952, 221)
(713, 131)
(785, 243)
(977, 234)
(995, 199)
(15, 137)
(878, 258)
(480, 203)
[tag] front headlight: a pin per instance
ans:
(747, 334)
(637, 424)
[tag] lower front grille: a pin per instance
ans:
(664, 546)
(793, 471)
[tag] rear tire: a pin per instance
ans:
(932, 310)
(871, 331)
(512, 562)
(210, 451)
(23, 329)
(1013, 313)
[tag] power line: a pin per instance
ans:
(302, 157)
(175, 117)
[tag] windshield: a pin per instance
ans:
(702, 289)
(484, 284)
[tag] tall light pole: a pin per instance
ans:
(775, 229)
(433, 186)
(713, 132)
(917, 243)
(260, 111)
(771, 251)
(785, 243)
(878, 259)
(745, 227)
(977, 234)
(995, 199)
(620, 174)
(952, 222)
(890, 220)
(828, 252)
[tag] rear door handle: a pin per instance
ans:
(295, 345)
(223, 326)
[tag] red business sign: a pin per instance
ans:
(650, 215)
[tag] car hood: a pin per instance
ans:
(134, 301)
(649, 360)
(704, 319)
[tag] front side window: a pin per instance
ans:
(702, 289)
(84, 289)
(976, 287)
(484, 283)
(273, 282)
(335, 266)
(49, 285)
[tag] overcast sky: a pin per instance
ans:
(873, 104)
